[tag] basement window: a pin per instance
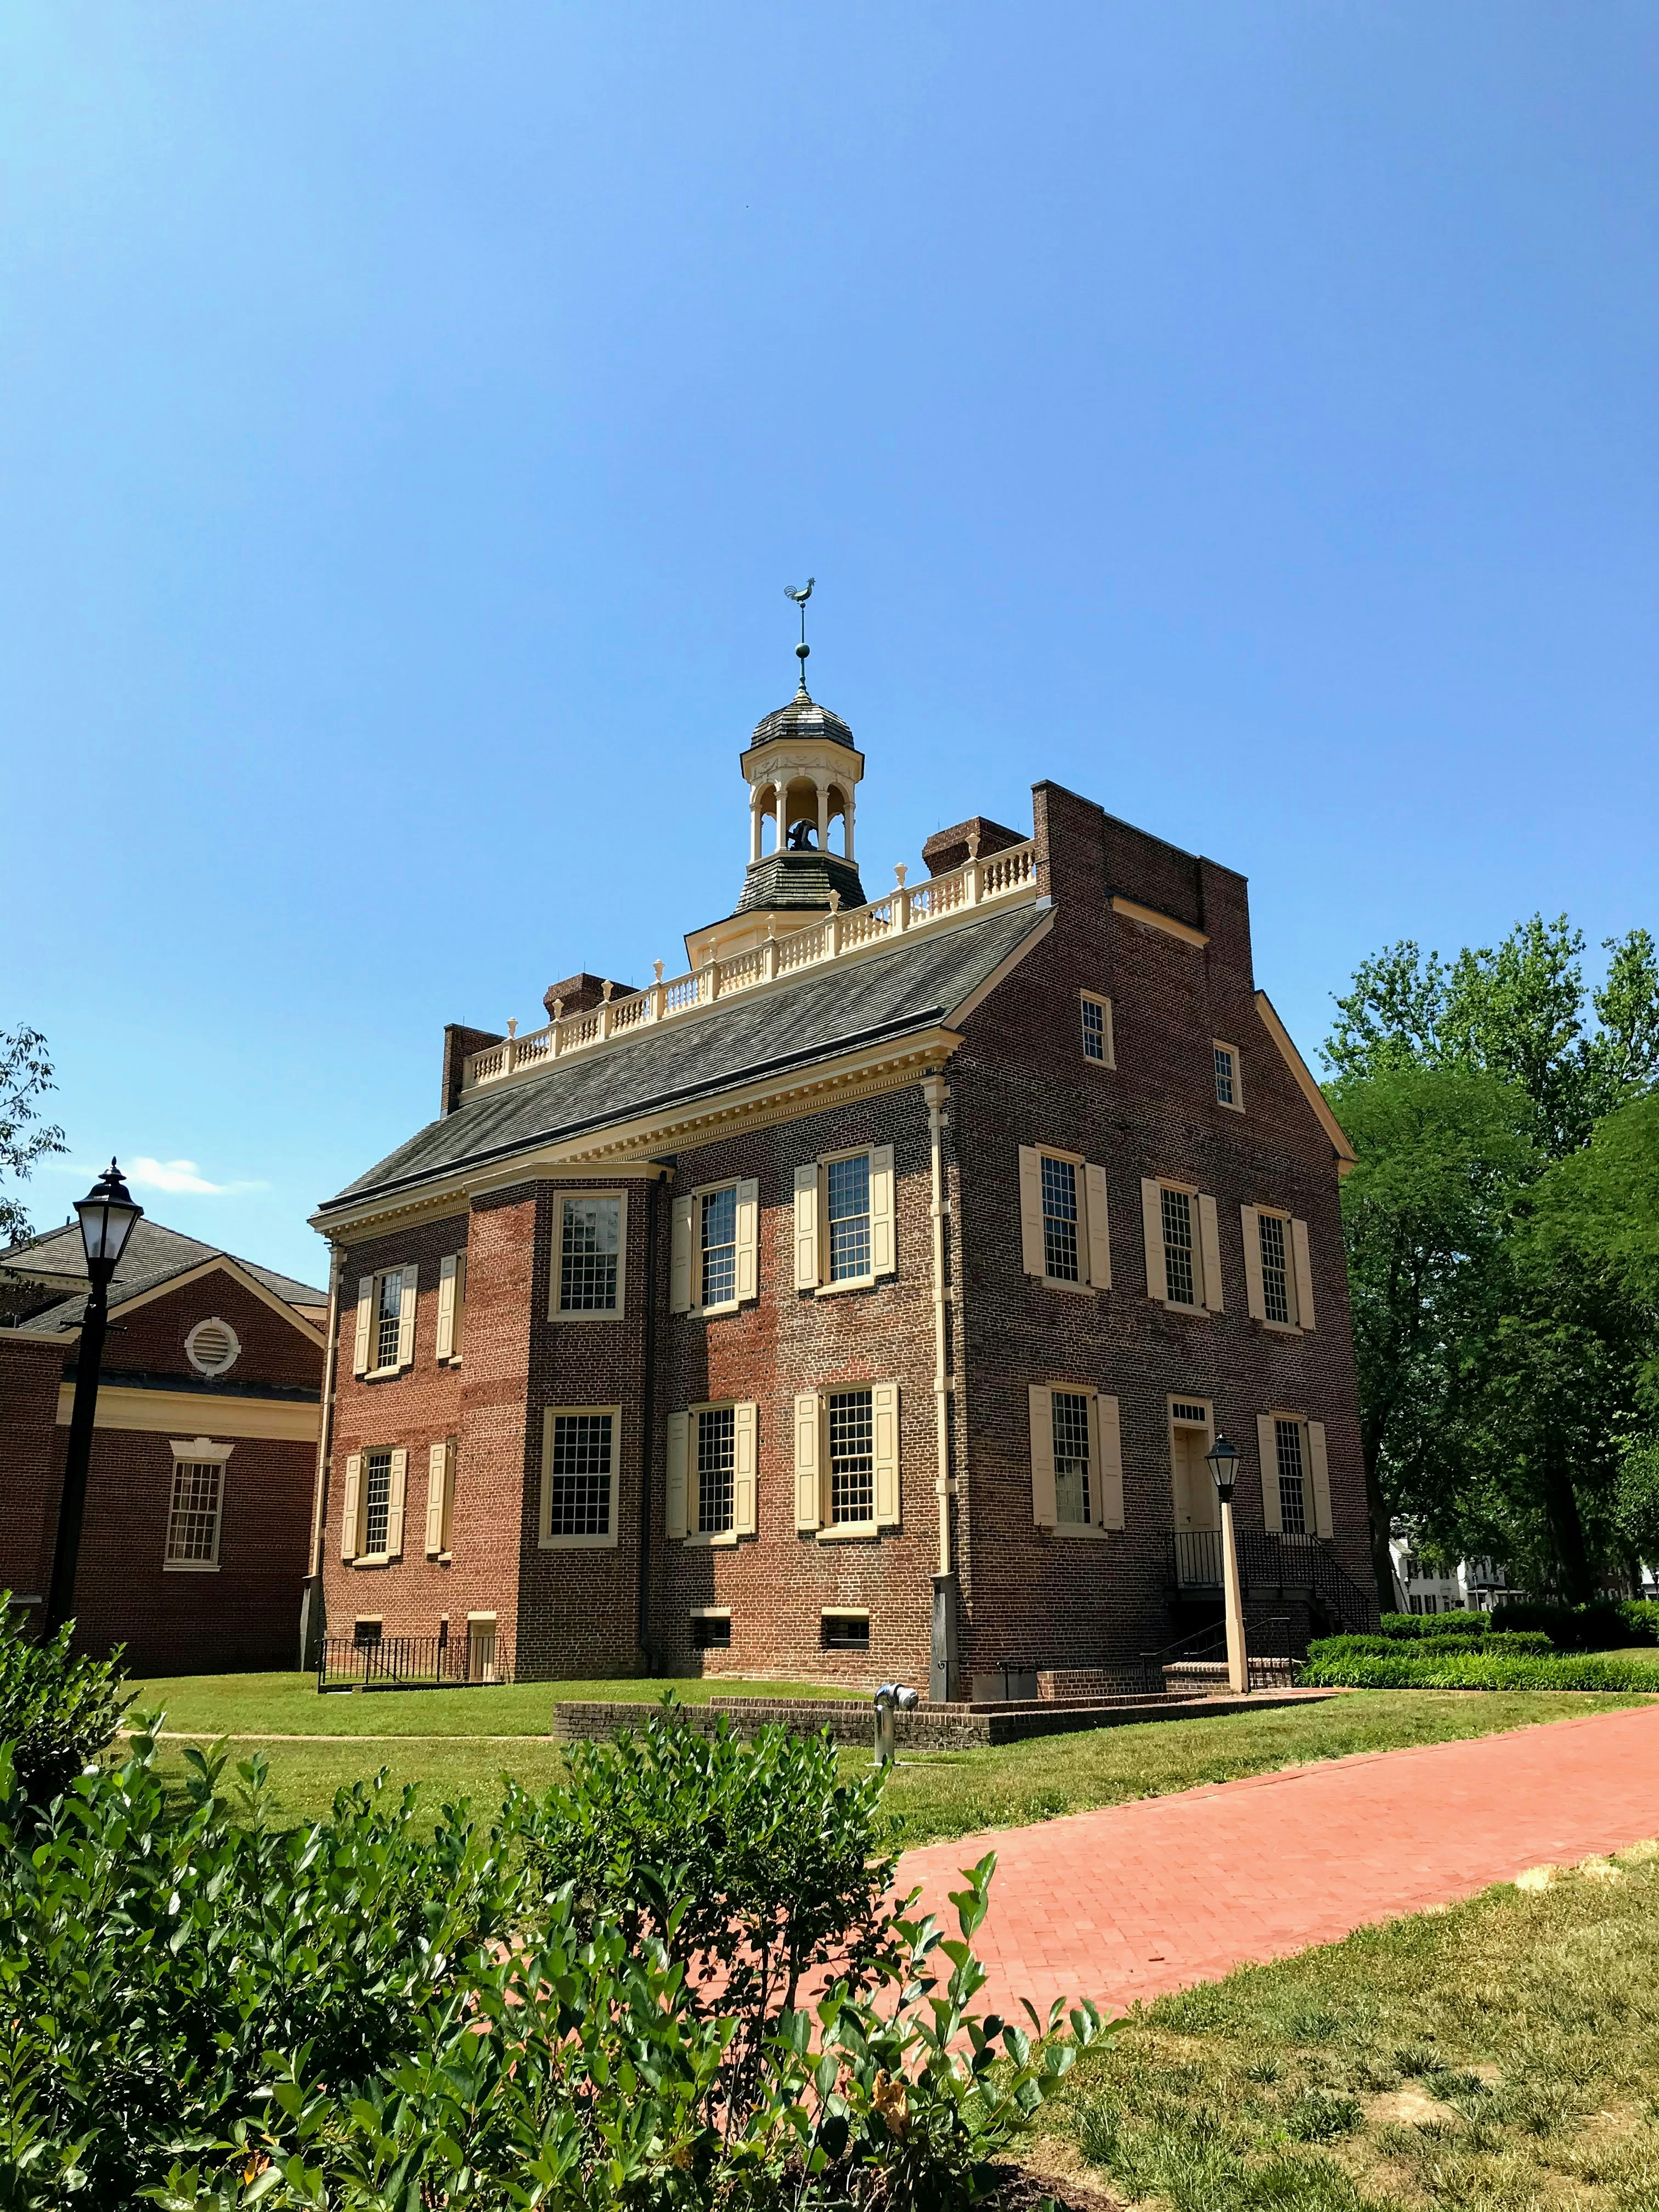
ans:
(846, 1632)
(711, 1631)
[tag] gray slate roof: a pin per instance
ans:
(825, 1012)
(153, 1255)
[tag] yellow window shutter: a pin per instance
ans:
(808, 1456)
(1031, 1257)
(748, 1239)
(354, 1478)
(365, 1313)
(446, 1306)
(1267, 1445)
(1209, 1238)
(883, 1242)
(1044, 1511)
(1108, 1460)
(745, 1435)
(1100, 1241)
(394, 1525)
(679, 1275)
(1254, 1296)
(1304, 1303)
(437, 1473)
(458, 1341)
(449, 1496)
(1319, 1469)
(1151, 1231)
(885, 1421)
(806, 1231)
(679, 1460)
(406, 1320)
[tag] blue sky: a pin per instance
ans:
(412, 414)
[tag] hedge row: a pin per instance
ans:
(1605, 1625)
(1523, 1643)
(1467, 1668)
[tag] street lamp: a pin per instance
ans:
(107, 1213)
(1222, 1460)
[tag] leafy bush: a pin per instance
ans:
(1357, 1647)
(57, 1710)
(1600, 1627)
(1421, 1667)
(206, 2015)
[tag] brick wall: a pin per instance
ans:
(30, 1373)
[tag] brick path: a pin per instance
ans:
(1139, 1899)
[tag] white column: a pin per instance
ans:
(847, 825)
(1238, 1665)
(755, 818)
(824, 813)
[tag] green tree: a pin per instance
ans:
(25, 1075)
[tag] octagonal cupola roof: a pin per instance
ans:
(803, 717)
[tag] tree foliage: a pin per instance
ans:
(25, 1077)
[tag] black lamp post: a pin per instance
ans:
(107, 1215)
(1222, 1460)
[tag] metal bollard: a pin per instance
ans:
(890, 1699)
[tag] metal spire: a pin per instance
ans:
(800, 597)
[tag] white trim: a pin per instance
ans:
(556, 1312)
(545, 1502)
(1108, 1035)
(158, 1413)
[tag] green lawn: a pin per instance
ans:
(1499, 2055)
(933, 1797)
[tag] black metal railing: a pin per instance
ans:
(1268, 1561)
(414, 1662)
(1198, 1559)
(1267, 1648)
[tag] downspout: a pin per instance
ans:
(943, 1667)
(311, 1623)
(649, 1413)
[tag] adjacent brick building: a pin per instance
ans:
(196, 1542)
(862, 1302)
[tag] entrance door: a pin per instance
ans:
(1196, 1502)
(481, 1651)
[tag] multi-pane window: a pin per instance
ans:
(711, 1631)
(590, 1256)
(847, 1210)
(1071, 1419)
(1226, 1075)
(1060, 1248)
(719, 1246)
(377, 1501)
(852, 1457)
(717, 1463)
(1178, 1276)
(1292, 1505)
(388, 1317)
(1096, 1043)
(578, 1475)
(193, 1514)
(1275, 1271)
(846, 1632)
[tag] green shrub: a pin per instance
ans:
(57, 1710)
(1408, 1627)
(1602, 1625)
(1331, 1648)
(1486, 1668)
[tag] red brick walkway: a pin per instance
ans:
(1142, 1898)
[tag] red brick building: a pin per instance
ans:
(195, 1540)
(862, 1303)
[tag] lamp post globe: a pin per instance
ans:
(1222, 1460)
(108, 1214)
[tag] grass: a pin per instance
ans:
(933, 1797)
(1497, 2056)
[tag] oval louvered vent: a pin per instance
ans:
(212, 1347)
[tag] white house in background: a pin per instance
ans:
(1472, 1586)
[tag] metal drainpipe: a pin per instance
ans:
(648, 1411)
(944, 1658)
(314, 1598)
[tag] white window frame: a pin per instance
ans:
(682, 1502)
(1236, 1103)
(559, 1313)
(1093, 1224)
(1298, 1267)
(1108, 1040)
(685, 1258)
(546, 1541)
(366, 1348)
(812, 1469)
(1208, 1295)
(196, 1451)
(1105, 1460)
(1316, 1475)
(355, 1516)
(812, 1221)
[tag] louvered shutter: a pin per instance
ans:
(1304, 1298)
(394, 1521)
(748, 1239)
(1151, 1231)
(882, 1240)
(1031, 1211)
(1254, 1296)
(679, 1273)
(1100, 1241)
(457, 1341)
(1320, 1473)
(745, 1436)
(675, 1500)
(806, 1229)
(1044, 1510)
(354, 1477)
(884, 1423)
(809, 1513)
(437, 1470)
(365, 1316)
(406, 1320)
(446, 1306)
(1267, 1445)
(1209, 1238)
(1108, 1460)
